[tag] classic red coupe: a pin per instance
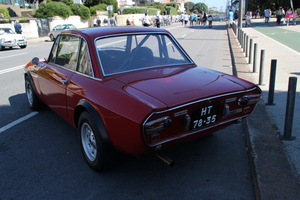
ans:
(133, 90)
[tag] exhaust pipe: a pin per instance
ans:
(165, 158)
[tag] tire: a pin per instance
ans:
(97, 154)
(52, 38)
(2, 48)
(32, 99)
(23, 46)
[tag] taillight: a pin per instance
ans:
(158, 125)
(248, 99)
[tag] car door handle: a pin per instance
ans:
(65, 82)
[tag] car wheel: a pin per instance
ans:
(97, 154)
(23, 46)
(2, 48)
(32, 99)
(52, 38)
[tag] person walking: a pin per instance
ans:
(230, 17)
(248, 18)
(210, 19)
(191, 19)
(267, 15)
(112, 21)
(146, 20)
(279, 13)
(295, 15)
(98, 22)
(158, 20)
(18, 27)
(185, 19)
(204, 20)
(95, 22)
(288, 16)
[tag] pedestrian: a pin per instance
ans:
(95, 22)
(191, 18)
(295, 15)
(248, 18)
(236, 16)
(185, 19)
(230, 17)
(279, 14)
(204, 20)
(158, 20)
(267, 15)
(18, 27)
(112, 21)
(98, 22)
(128, 22)
(288, 16)
(182, 18)
(146, 20)
(210, 19)
(105, 22)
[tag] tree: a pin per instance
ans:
(90, 3)
(200, 8)
(81, 10)
(52, 9)
(189, 6)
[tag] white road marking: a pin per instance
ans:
(11, 69)
(8, 126)
(183, 35)
(13, 55)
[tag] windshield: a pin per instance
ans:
(4, 31)
(120, 54)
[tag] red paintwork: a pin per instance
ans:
(125, 101)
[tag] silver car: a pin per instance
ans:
(58, 29)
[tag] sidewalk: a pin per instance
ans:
(276, 162)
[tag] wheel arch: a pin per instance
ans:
(28, 75)
(86, 106)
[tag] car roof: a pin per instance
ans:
(103, 31)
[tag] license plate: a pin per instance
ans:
(204, 116)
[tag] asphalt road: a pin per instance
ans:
(40, 157)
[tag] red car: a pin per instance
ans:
(133, 90)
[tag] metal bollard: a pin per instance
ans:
(247, 40)
(250, 51)
(272, 83)
(290, 107)
(244, 43)
(255, 57)
(261, 69)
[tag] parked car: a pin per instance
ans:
(8, 38)
(133, 90)
(58, 29)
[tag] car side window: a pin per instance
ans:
(67, 51)
(84, 60)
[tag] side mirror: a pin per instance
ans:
(35, 60)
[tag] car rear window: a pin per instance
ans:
(125, 53)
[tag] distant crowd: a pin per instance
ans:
(288, 17)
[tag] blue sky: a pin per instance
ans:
(212, 3)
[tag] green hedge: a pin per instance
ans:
(140, 10)
(4, 11)
(101, 7)
(52, 9)
(81, 10)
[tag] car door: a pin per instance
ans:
(55, 75)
